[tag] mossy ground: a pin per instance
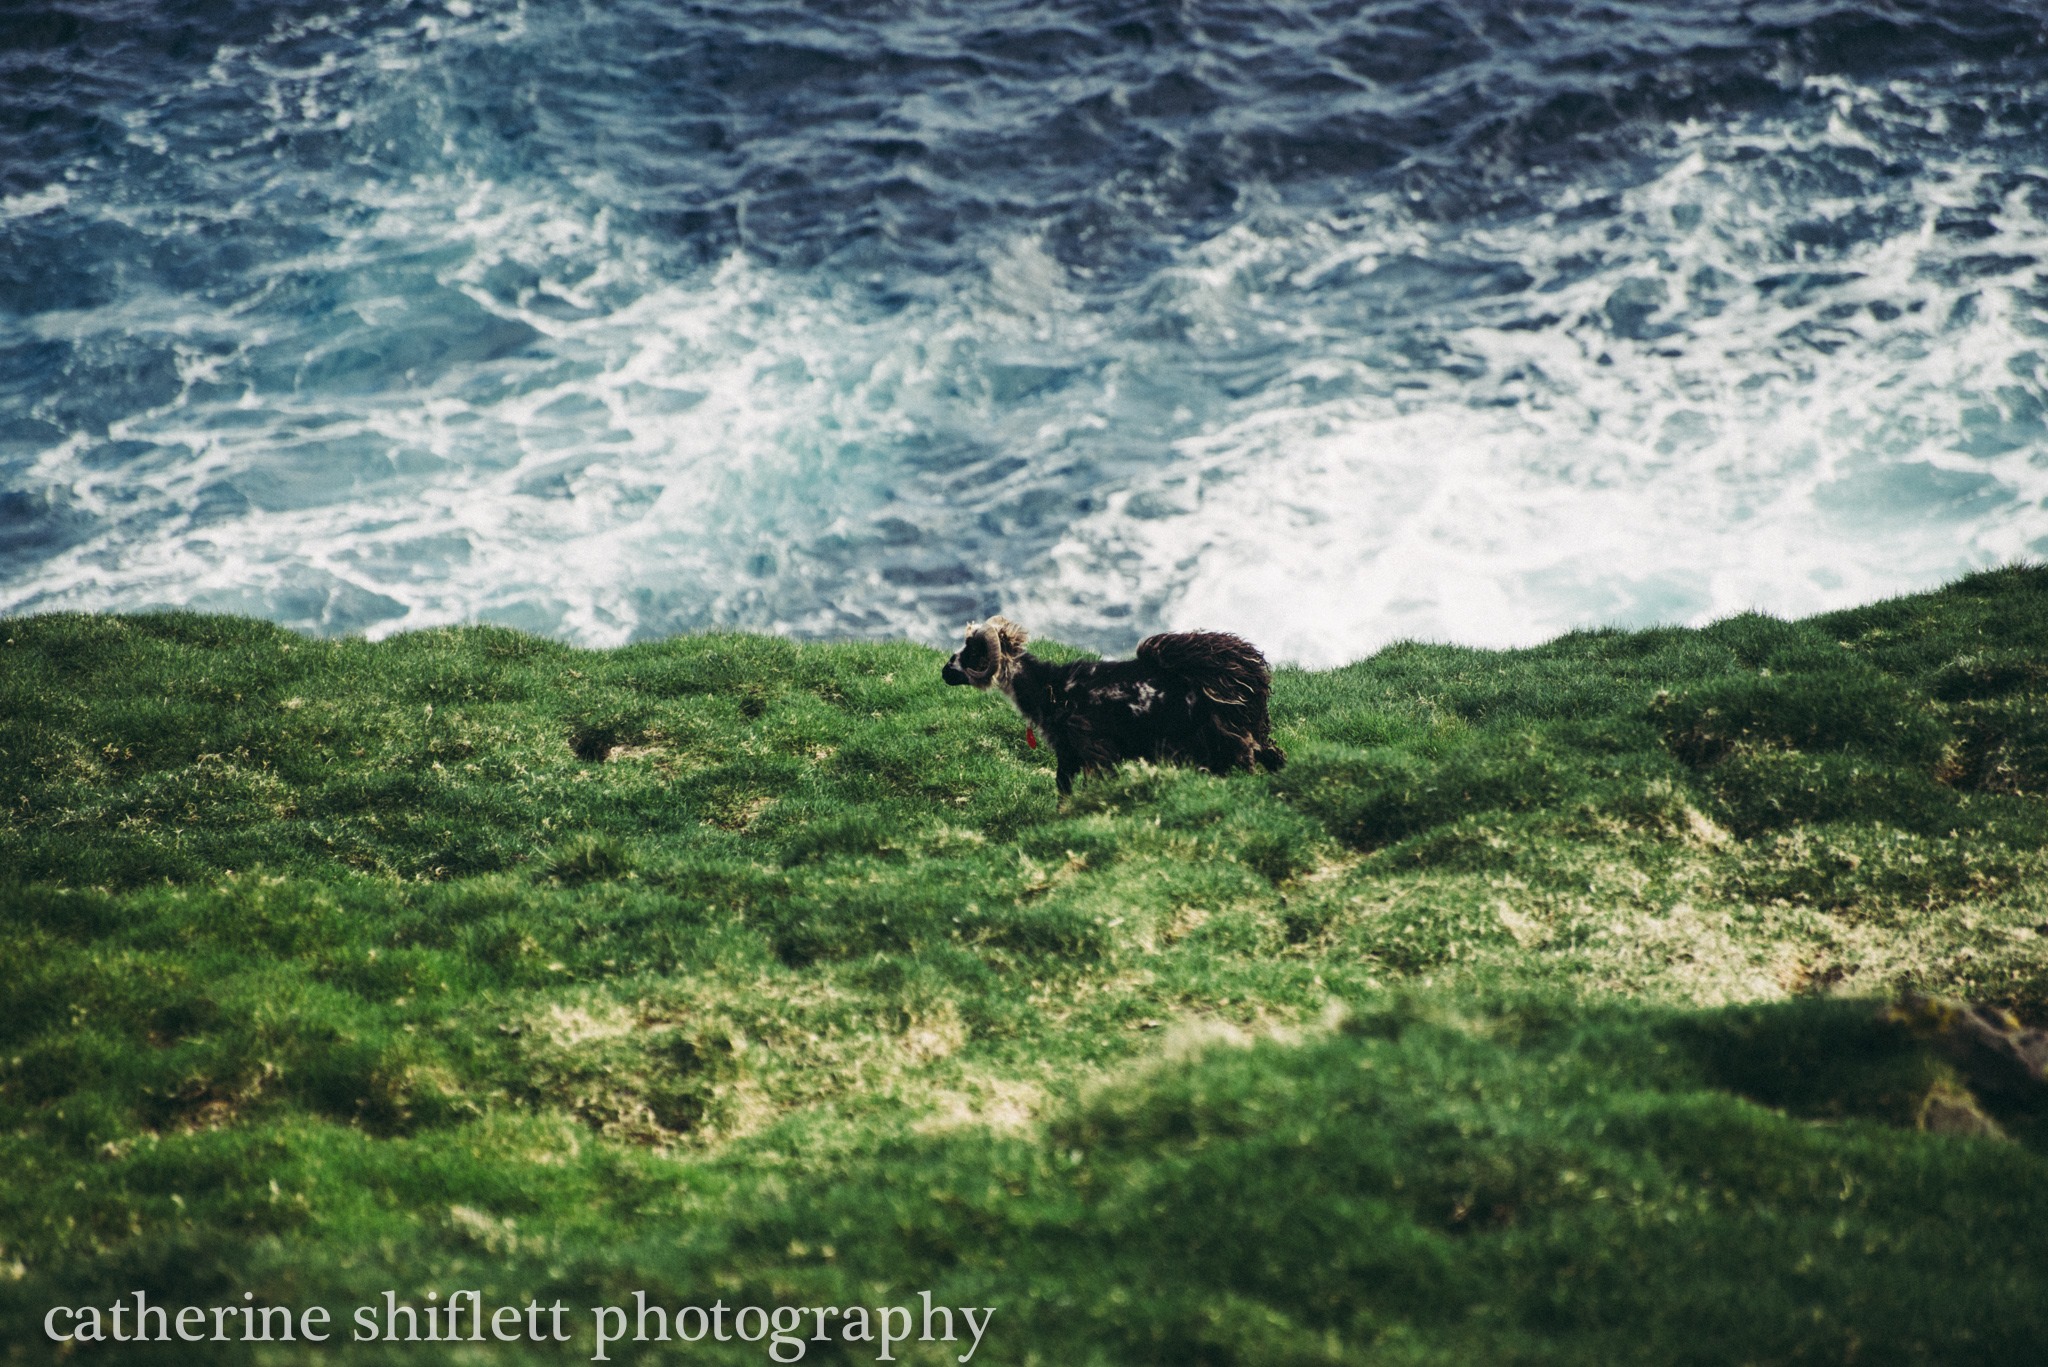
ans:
(1526, 1016)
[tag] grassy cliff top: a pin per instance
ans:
(1527, 1015)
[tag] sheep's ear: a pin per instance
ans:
(1011, 636)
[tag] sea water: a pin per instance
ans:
(1331, 324)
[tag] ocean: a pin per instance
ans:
(1331, 324)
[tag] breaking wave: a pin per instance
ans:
(1326, 324)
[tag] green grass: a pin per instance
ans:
(1529, 1015)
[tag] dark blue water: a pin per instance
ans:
(1329, 324)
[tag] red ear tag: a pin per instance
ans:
(1030, 738)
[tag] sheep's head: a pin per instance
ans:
(989, 655)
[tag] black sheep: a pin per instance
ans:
(1193, 697)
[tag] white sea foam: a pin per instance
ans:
(1762, 454)
(1326, 433)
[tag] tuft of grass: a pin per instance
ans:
(588, 859)
(1531, 1014)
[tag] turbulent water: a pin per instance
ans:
(1331, 324)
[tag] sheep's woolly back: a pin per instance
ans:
(1228, 668)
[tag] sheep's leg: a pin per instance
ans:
(1081, 751)
(1230, 751)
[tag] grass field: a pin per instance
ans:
(1530, 1015)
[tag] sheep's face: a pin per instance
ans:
(989, 655)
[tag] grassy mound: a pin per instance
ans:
(1528, 1015)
